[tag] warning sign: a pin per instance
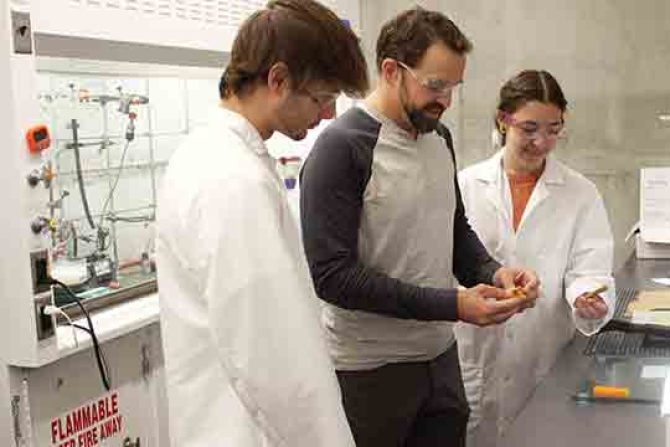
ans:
(89, 424)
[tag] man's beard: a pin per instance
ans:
(418, 118)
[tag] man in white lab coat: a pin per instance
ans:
(529, 208)
(246, 364)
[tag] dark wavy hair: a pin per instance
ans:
(408, 36)
(305, 35)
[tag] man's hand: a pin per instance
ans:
(512, 278)
(484, 305)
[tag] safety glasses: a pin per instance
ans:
(320, 99)
(436, 86)
(531, 130)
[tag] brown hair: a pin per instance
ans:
(527, 86)
(308, 37)
(408, 36)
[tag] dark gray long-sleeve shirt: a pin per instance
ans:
(385, 233)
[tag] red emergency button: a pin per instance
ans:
(38, 139)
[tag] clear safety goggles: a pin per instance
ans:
(436, 86)
(532, 130)
(322, 100)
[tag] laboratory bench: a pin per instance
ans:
(552, 417)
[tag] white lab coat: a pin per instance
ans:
(564, 235)
(246, 364)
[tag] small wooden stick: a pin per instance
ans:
(592, 295)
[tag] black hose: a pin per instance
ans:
(75, 243)
(94, 337)
(80, 177)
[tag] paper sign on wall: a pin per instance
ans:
(89, 425)
(654, 204)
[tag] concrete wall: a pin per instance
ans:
(612, 60)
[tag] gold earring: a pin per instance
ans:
(503, 130)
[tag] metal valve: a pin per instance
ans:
(34, 178)
(39, 224)
(45, 174)
(58, 203)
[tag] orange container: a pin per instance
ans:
(611, 391)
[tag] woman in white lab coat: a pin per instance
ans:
(530, 209)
